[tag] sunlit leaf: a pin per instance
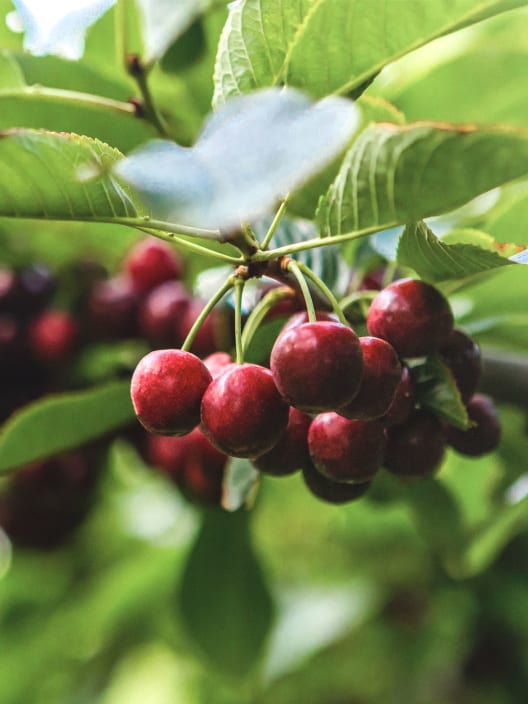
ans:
(437, 391)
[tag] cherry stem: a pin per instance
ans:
(260, 311)
(191, 246)
(239, 290)
(297, 270)
(306, 271)
(275, 223)
(227, 286)
(139, 73)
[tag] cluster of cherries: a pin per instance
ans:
(40, 341)
(336, 406)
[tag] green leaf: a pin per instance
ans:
(331, 46)
(253, 151)
(39, 178)
(434, 260)
(399, 174)
(164, 21)
(437, 391)
(60, 422)
(11, 77)
(224, 600)
(240, 483)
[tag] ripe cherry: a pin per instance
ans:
(150, 263)
(243, 414)
(416, 448)
(215, 331)
(301, 318)
(381, 377)
(484, 436)
(112, 308)
(161, 313)
(462, 356)
(404, 401)
(53, 336)
(217, 362)
(291, 452)
(317, 366)
(346, 450)
(412, 315)
(167, 388)
(330, 491)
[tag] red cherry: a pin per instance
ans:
(404, 401)
(217, 362)
(330, 491)
(167, 388)
(150, 263)
(301, 318)
(462, 356)
(415, 449)
(113, 308)
(215, 331)
(317, 366)
(484, 435)
(53, 336)
(161, 314)
(243, 414)
(291, 452)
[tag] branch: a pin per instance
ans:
(505, 376)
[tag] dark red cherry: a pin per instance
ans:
(484, 435)
(301, 318)
(36, 284)
(161, 314)
(381, 377)
(243, 414)
(53, 336)
(462, 356)
(404, 401)
(291, 452)
(150, 262)
(412, 315)
(317, 366)
(330, 491)
(215, 331)
(113, 308)
(346, 450)
(415, 449)
(167, 388)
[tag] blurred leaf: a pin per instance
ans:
(399, 174)
(224, 601)
(509, 222)
(308, 44)
(63, 421)
(435, 260)
(186, 50)
(103, 361)
(240, 483)
(11, 77)
(437, 391)
(39, 178)
(164, 21)
(255, 150)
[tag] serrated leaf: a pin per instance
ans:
(39, 178)
(437, 391)
(164, 21)
(63, 421)
(435, 260)
(331, 46)
(228, 616)
(251, 153)
(399, 174)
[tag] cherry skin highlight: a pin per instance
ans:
(346, 450)
(412, 315)
(484, 436)
(317, 366)
(381, 376)
(167, 388)
(291, 452)
(243, 414)
(416, 449)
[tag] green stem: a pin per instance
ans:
(62, 96)
(227, 286)
(163, 226)
(139, 73)
(275, 223)
(295, 268)
(239, 289)
(316, 242)
(191, 246)
(261, 310)
(306, 271)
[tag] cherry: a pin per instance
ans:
(415, 449)
(191, 462)
(150, 263)
(291, 452)
(214, 333)
(113, 308)
(53, 336)
(167, 388)
(330, 491)
(346, 450)
(286, 306)
(243, 414)
(381, 376)
(217, 362)
(161, 313)
(301, 318)
(36, 285)
(317, 366)
(484, 436)
(404, 401)
(412, 315)
(462, 356)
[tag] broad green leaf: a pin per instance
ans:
(60, 422)
(331, 46)
(436, 390)
(399, 174)
(224, 601)
(434, 260)
(39, 178)
(255, 150)
(164, 21)
(11, 77)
